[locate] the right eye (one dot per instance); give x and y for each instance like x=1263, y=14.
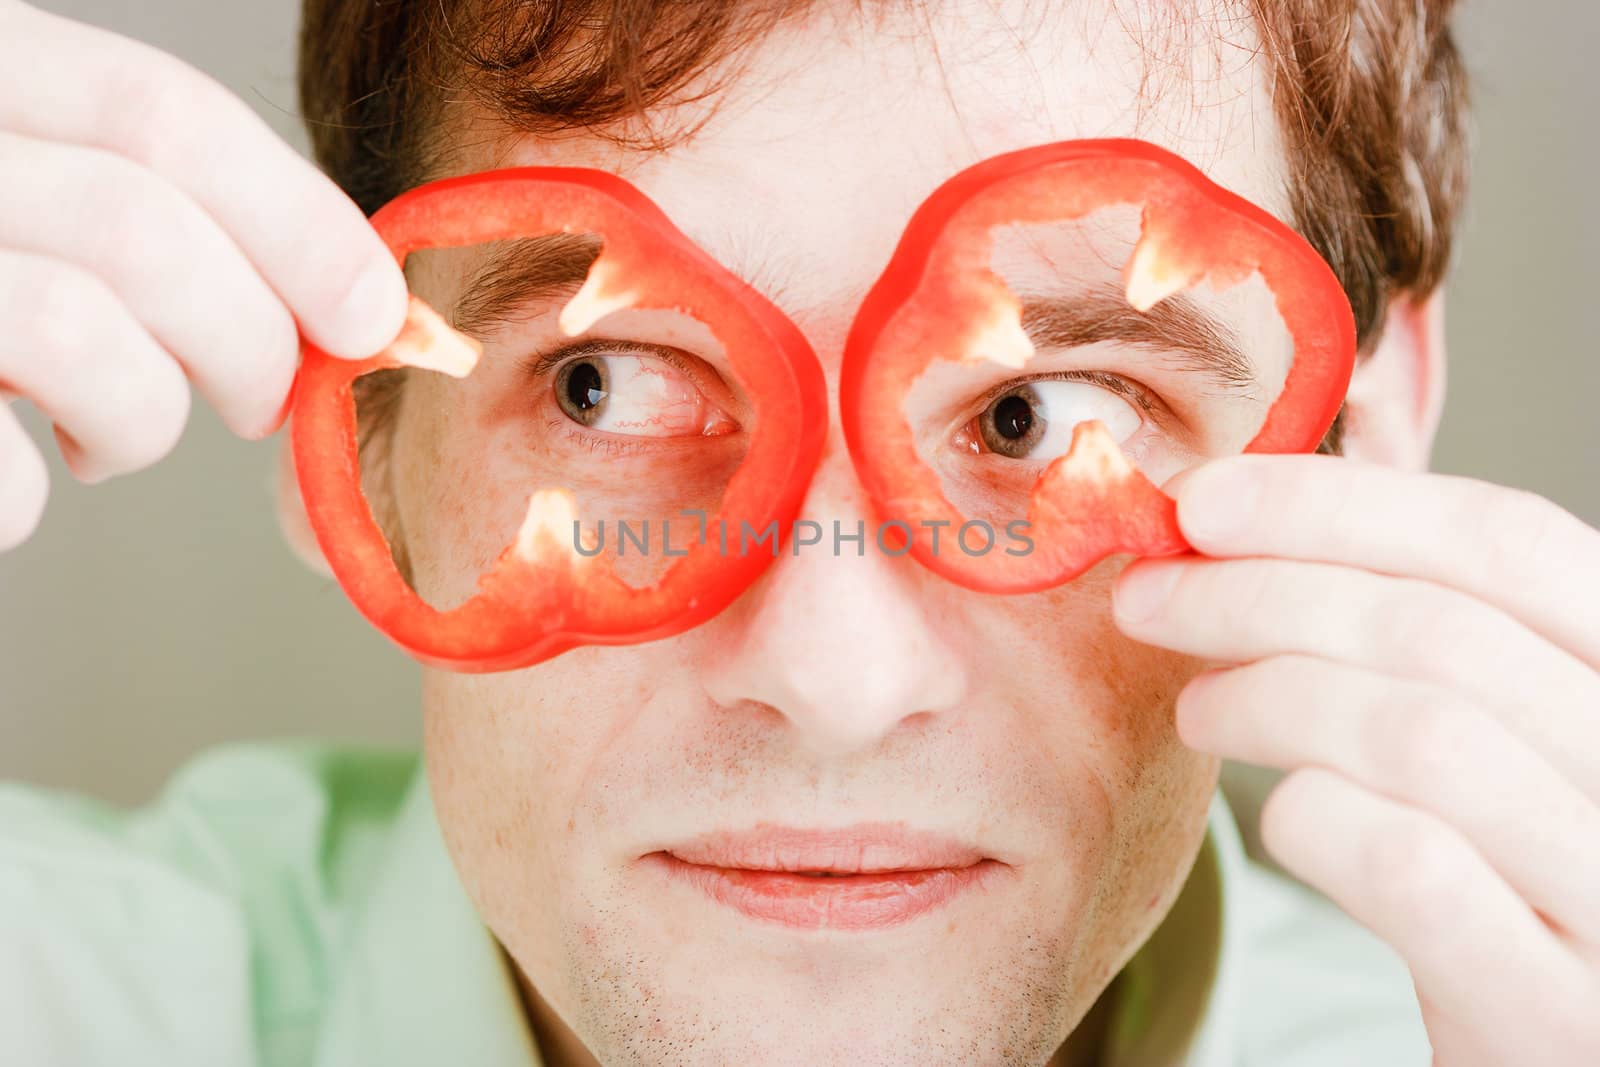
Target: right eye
x=1034, y=419
x=636, y=395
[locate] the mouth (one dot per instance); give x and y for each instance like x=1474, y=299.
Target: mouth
x=863, y=877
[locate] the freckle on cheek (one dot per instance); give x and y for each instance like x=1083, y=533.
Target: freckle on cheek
x=473, y=518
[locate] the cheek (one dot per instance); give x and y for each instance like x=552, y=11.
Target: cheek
x=1099, y=708
x=482, y=757
x=460, y=491
x=1104, y=699
x=511, y=761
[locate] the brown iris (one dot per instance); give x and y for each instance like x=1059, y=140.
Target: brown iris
x=581, y=390
x=1013, y=423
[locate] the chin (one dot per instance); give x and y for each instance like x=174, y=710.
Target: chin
x=670, y=988
x=872, y=1027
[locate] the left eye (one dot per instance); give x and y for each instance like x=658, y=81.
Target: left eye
x=634, y=395
x=1034, y=420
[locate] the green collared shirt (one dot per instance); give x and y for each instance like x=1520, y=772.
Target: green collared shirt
x=286, y=905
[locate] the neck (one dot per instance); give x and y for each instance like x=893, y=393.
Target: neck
x=1085, y=1046
x=558, y=1046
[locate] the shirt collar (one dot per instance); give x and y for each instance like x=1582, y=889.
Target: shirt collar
x=424, y=982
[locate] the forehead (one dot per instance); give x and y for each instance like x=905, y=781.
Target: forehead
x=824, y=136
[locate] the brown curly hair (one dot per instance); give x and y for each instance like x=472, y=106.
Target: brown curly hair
x=1371, y=96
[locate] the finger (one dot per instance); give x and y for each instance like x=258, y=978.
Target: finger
x=68, y=344
x=312, y=245
x=24, y=482
x=1507, y=547
x=1478, y=954
x=168, y=261
x=1418, y=745
x=1240, y=610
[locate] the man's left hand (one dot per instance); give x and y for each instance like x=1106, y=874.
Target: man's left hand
x=1422, y=654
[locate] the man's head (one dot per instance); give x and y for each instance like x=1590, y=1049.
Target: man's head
x=793, y=140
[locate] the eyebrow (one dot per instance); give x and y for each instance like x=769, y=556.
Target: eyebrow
x=520, y=274
x=1179, y=326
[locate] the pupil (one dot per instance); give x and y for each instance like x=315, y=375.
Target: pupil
x=1014, y=424
x=585, y=388
x=1013, y=417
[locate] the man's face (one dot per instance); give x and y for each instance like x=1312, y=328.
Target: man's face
x=861, y=695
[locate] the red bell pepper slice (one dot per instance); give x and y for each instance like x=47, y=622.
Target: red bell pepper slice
x=540, y=597
x=939, y=299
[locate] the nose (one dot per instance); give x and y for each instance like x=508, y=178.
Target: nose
x=844, y=640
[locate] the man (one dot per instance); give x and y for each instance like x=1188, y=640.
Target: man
x=1418, y=651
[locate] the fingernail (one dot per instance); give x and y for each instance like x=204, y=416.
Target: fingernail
x=1218, y=503
x=373, y=311
x=1139, y=597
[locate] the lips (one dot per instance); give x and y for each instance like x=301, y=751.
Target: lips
x=861, y=877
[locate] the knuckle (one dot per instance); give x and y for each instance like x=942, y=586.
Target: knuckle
x=243, y=357
x=1419, y=870
x=1416, y=741
x=332, y=268
x=1422, y=626
x=70, y=322
x=264, y=334
x=156, y=413
x=1249, y=589
x=328, y=276
x=1515, y=526
x=145, y=410
x=1396, y=625
x=148, y=102
x=1332, y=498
x=1289, y=672
x=138, y=234
x=60, y=309
x=1291, y=804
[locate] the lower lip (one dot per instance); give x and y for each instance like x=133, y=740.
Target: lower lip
x=848, y=902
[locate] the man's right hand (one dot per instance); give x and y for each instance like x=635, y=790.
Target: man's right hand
x=153, y=230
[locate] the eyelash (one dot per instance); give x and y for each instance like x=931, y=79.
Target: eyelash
x=1130, y=390
x=540, y=364
x=613, y=445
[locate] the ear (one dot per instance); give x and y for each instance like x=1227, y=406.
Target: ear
x=292, y=512
x=1397, y=392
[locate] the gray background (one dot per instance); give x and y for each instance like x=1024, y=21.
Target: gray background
x=159, y=613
